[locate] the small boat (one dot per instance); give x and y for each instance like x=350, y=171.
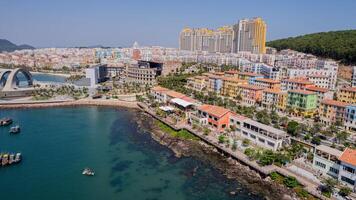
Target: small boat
x=88, y=172
x=5, y=121
x=18, y=157
x=15, y=129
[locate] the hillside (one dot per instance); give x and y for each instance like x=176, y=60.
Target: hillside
x=8, y=46
x=338, y=45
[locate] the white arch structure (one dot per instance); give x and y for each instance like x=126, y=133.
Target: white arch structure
x=11, y=81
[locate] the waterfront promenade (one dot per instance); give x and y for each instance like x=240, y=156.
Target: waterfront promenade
x=309, y=185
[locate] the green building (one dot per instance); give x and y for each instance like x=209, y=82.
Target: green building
x=302, y=102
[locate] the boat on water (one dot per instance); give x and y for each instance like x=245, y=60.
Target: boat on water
x=9, y=158
x=15, y=129
x=88, y=172
x=5, y=121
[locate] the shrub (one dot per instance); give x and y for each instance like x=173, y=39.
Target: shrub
x=291, y=182
x=344, y=191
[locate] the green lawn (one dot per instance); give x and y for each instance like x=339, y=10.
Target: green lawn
x=184, y=134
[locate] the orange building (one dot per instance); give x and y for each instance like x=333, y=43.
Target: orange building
x=217, y=117
x=250, y=94
x=268, y=83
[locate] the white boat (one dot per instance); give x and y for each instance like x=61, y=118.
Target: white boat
x=88, y=172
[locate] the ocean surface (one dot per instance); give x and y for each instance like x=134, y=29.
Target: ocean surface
x=57, y=143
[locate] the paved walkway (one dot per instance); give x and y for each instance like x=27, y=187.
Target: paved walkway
x=309, y=185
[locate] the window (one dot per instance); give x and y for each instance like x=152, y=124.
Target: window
x=223, y=126
x=252, y=136
x=347, y=180
x=335, y=171
x=270, y=144
x=261, y=140
x=322, y=165
x=245, y=133
x=349, y=169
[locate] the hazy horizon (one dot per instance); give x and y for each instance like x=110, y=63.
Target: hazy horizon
x=41, y=23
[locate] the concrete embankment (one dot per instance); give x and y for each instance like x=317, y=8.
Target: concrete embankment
x=63, y=103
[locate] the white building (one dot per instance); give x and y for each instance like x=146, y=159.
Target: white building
x=353, y=78
x=260, y=134
x=326, y=160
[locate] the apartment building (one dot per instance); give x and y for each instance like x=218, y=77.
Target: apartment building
x=347, y=95
x=230, y=86
x=198, y=83
x=321, y=81
x=270, y=98
x=250, y=76
x=350, y=118
x=321, y=93
x=143, y=73
x=331, y=111
x=302, y=102
x=295, y=84
x=258, y=133
x=250, y=94
x=267, y=83
x=282, y=101
x=215, y=84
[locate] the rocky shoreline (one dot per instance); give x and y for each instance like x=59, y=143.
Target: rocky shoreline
x=231, y=168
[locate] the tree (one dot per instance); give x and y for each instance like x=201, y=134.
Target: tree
x=246, y=142
x=342, y=136
x=329, y=185
x=283, y=121
x=316, y=140
x=345, y=191
x=292, y=128
x=291, y=182
x=267, y=158
x=221, y=139
x=234, y=145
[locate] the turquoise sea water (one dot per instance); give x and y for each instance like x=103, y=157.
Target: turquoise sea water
x=57, y=143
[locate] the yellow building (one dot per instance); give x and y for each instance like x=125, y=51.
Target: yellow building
x=230, y=86
x=347, y=95
x=250, y=35
x=198, y=83
x=282, y=101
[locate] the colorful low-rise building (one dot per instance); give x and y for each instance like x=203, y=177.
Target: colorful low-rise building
x=198, y=83
x=282, y=101
x=331, y=111
x=322, y=93
x=350, y=118
x=321, y=81
x=347, y=95
x=230, y=86
x=250, y=94
x=268, y=83
x=270, y=98
x=215, y=84
x=250, y=76
x=214, y=116
x=295, y=84
x=347, y=172
x=302, y=102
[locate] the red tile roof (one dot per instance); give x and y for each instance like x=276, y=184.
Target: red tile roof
x=349, y=156
x=159, y=89
x=267, y=80
x=251, y=87
x=334, y=103
x=249, y=74
x=349, y=89
x=272, y=91
x=298, y=80
x=174, y=94
x=301, y=92
x=216, y=111
x=316, y=89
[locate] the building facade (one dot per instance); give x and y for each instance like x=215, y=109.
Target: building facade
x=250, y=35
x=303, y=103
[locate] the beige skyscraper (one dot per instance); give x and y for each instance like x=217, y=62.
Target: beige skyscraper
x=250, y=35
x=203, y=39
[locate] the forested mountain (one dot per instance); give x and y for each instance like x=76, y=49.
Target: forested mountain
x=8, y=46
x=338, y=45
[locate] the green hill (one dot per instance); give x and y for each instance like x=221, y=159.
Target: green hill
x=338, y=45
x=8, y=46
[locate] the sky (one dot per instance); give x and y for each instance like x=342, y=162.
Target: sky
x=69, y=23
